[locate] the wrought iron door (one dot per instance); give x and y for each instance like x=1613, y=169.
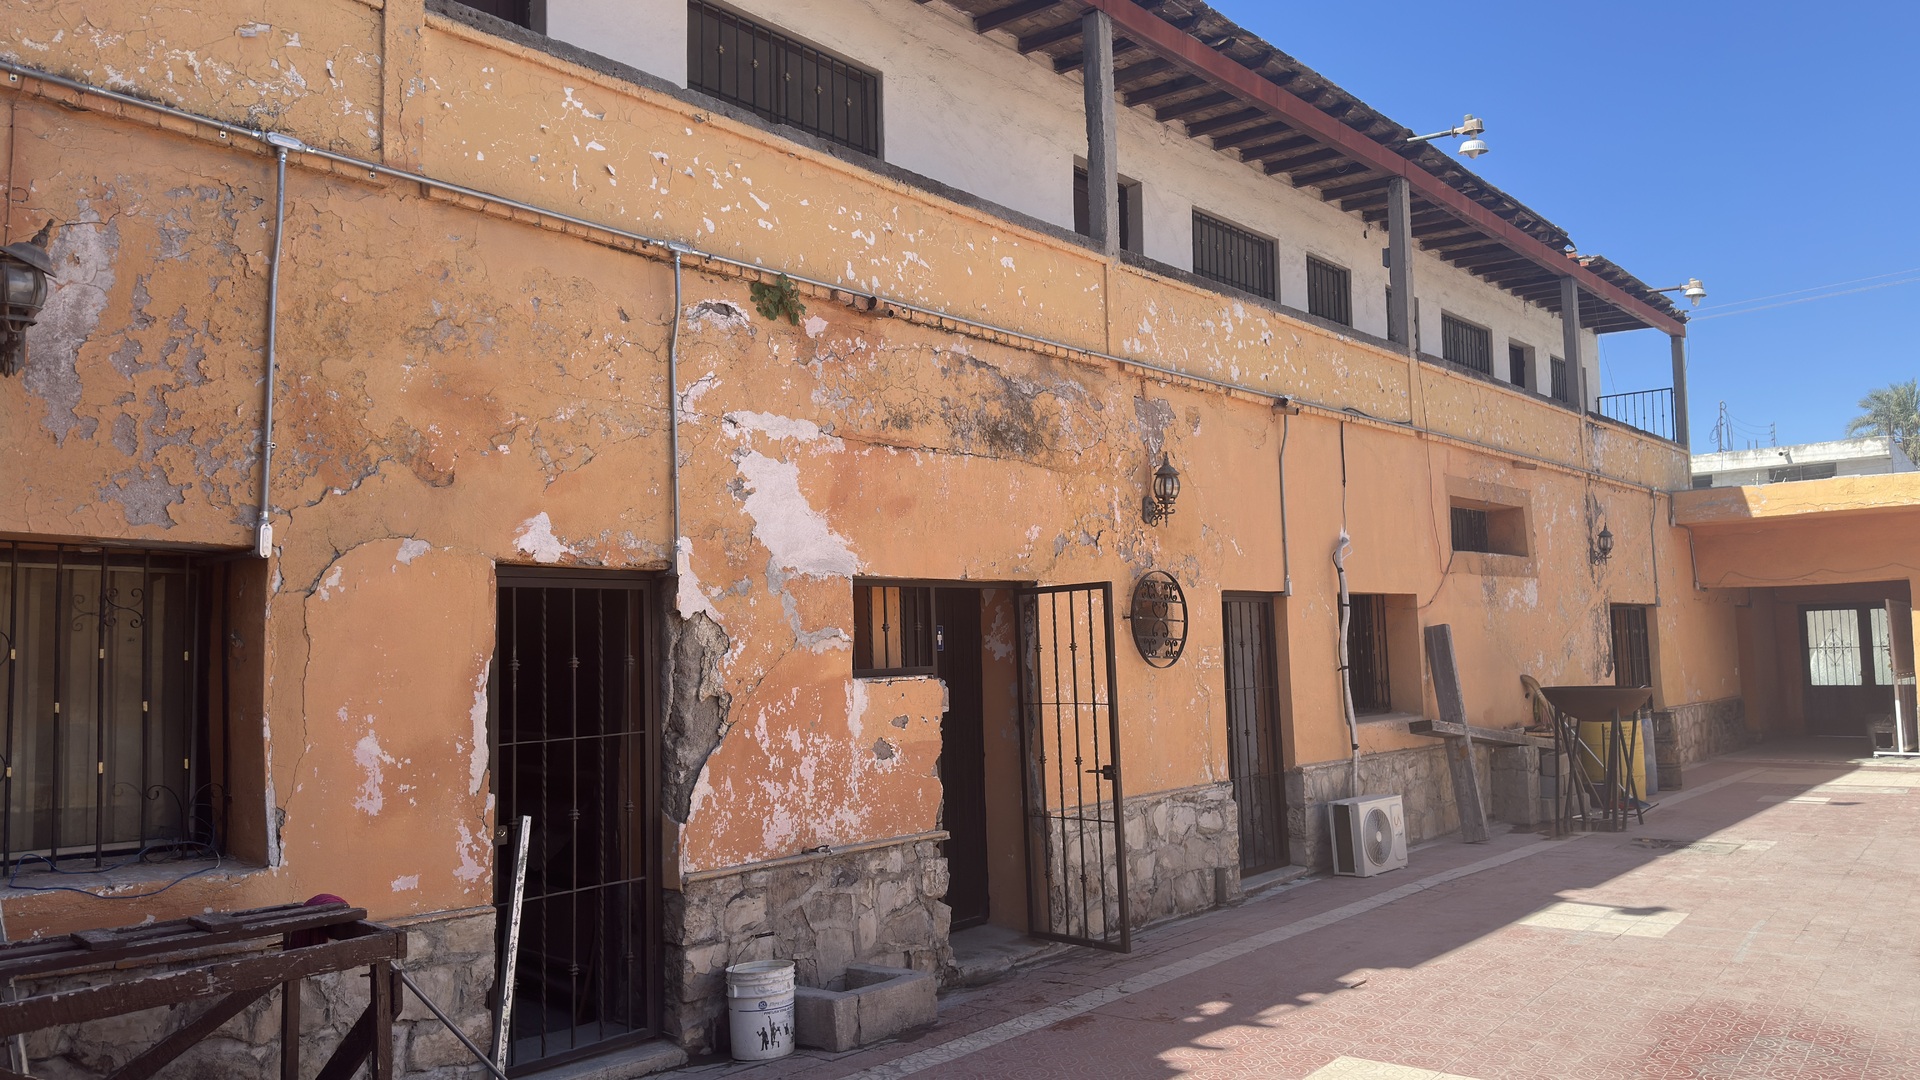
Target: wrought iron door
x=1900, y=654
x=1076, y=836
x=576, y=750
x=1253, y=732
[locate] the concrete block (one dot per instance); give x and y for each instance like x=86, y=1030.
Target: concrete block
x=877, y=1003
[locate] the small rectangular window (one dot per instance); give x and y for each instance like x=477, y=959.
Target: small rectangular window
x=1489, y=528
x=1129, y=197
x=1559, y=369
x=1632, y=651
x=1367, y=675
x=1467, y=345
x=1233, y=256
x=1329, y=291
x=775, y=77
x=892, y=630
x=1700, y=482
x=517, y=12
x=1824, y=470
x=1519, y=359
x=107, y=736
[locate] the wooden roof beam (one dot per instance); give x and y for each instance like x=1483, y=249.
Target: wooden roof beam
x=1218, y=123
x=1014, y=12
x=1191, y=106
x=1175, y=44
x=1040, y=39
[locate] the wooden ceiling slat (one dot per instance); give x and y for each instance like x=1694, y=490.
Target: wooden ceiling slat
x=1014, y=12
x=1298, y=161
x=1374, y=183
x=1251, y=135
x=1040, y=39
x=1198, y=128
x=1156, y=91
x=1317, y=177
x=1191, y=106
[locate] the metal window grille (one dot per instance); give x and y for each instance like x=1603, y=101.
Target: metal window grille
x=1233, y=256
x=1083, y=211
x=1517, y=365
x=100, y=672
x=1467, y=345
x=1632, y=650
x=1367, y=674
x=892, y=630
x=1329, y=291
x=752, y=66
x=1470, y=529
x=1558, y=367
x=576, y=749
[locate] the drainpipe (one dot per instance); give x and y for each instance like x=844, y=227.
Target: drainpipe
x=1287, y=409
x=263, y=533
x=680, y=552
x=1341, y=549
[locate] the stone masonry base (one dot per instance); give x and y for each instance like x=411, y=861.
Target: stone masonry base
x=878, y=906
x=1688, y=734
x=1509, y=783
x=449, y=955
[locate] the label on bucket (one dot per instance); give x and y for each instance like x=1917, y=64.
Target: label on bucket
x=762, y=1035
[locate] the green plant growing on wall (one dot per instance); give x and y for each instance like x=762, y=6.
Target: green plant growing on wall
x=778, y=299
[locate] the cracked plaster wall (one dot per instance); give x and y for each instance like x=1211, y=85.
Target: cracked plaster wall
x=458, y=389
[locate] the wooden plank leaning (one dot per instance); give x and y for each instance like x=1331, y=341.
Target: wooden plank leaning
x=1453, y=712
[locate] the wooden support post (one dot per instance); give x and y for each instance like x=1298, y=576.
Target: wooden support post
x=1400, y=329
x=1103, y=165
x=1453, y=712
x=384, y=1006
x=1681, y=429
x=1570, y=344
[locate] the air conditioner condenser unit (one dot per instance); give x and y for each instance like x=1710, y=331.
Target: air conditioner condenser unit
x=1369, y=835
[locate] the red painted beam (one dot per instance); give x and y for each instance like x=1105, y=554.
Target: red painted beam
x=1181, y=48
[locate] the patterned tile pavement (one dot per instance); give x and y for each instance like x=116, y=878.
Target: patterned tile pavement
x=1787, y=945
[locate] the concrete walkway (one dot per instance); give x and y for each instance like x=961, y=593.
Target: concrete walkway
x=1765, y=922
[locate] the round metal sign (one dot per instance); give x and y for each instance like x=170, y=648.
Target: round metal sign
x=1159, y=618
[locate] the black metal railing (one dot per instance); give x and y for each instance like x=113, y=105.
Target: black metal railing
x=1649, y=410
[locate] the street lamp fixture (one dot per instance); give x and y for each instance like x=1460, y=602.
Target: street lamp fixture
x=24, y=270
x=1692, y=290
x=1471, y=127
x=1157, y=505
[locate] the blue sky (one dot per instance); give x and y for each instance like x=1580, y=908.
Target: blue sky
x=1765, y=148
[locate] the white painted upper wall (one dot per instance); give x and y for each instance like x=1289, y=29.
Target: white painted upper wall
x=970, y=112
x=1850, y=457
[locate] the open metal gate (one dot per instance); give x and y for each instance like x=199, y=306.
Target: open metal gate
x=1076, y=837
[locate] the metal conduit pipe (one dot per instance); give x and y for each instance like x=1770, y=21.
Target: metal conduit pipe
x=1286, y=555
x=681, y=549
x=1342, y=548
x=374, y=169
x=263, y=530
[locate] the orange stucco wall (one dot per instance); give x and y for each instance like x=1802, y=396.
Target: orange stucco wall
x=459, y=389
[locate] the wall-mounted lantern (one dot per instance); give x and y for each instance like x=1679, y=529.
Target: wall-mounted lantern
x=24, y=270
x=1157, y=505
x=1602, y=545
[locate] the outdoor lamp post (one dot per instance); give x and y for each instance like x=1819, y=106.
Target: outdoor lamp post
x=1471, y=127
x=1692, y=290
x=24, y=270
x=1157, y=505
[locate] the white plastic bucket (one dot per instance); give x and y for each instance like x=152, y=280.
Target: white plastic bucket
x=760, y=1009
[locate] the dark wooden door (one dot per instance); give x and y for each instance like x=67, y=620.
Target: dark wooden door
x=1253, y=732
x=1848, y=667
x=963, y=776
x=576, y=750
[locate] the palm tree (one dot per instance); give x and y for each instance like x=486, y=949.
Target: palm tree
x=1892, y=411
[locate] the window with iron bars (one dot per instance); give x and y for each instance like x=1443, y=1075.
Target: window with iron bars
x=528, y=13
x=1823, y=470
x=892, y=630
x=1470, y=529
x=1632, y=649
x=1367, y=675
x=1329, y=291
x=1559, y=368
x=1467, y=345
x=100, y=696
x=759, y=69
x=1233, y=256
